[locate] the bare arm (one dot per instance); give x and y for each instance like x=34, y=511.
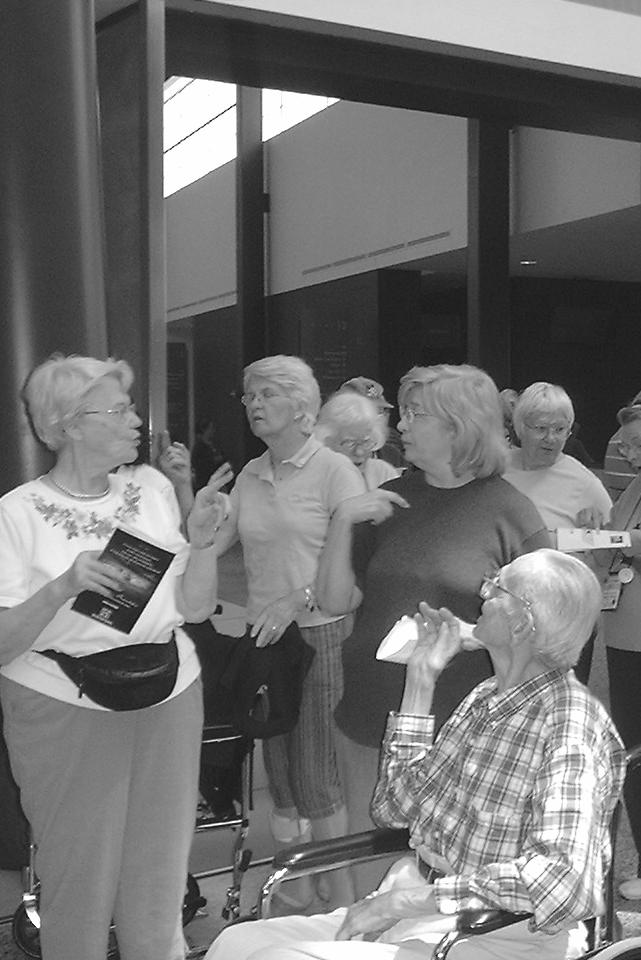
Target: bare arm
x=198, y=588
x=20, y=626
x=174, y=461
x=336, y=589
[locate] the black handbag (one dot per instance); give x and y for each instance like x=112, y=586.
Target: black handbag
x=125, y=678
x=265, y=684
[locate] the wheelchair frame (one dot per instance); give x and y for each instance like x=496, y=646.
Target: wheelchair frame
x=371, y=845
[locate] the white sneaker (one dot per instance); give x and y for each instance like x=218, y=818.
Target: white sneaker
x=631, y=889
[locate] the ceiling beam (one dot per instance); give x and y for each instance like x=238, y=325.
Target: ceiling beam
x=254, y=48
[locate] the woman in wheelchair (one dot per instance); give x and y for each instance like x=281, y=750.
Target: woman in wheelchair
x=508, y=808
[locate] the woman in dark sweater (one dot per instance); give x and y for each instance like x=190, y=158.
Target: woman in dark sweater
x=431, y=535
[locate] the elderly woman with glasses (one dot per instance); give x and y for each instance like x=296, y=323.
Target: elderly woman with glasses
x=281, y=507
x=508, y=806
x=431, y=534
x=622, y=623
x=107, y=763
x=352, y=424
x=563, y=490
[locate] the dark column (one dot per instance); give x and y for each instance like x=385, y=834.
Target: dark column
x=51, y=257
x=131, y=75
x=250, y=237
x=488, y=274
x=250, y=208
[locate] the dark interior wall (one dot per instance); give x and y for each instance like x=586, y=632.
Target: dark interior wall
x=217, y=365
x=333, y=326
x=400, y=326
x=583, y=335
x=578, y=333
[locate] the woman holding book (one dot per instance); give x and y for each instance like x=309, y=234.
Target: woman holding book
x=107, y=771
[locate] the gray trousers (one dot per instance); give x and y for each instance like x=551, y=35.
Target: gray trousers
x=111, y=799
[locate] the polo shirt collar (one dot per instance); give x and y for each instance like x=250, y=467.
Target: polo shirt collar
x=262, y=467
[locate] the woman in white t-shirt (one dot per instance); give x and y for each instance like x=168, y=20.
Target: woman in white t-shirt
x=108, y=780
x=563, y=490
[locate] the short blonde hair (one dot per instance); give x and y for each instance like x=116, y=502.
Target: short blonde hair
x=293, y=376
x=565, y=599
x=55, y=390
x=541, y=397
x=353, y=415
x=467, y=400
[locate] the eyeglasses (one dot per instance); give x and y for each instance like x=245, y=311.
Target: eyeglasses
x=264, y=396
x=628, y=446
x=489, y=586
x=409, y=414
x=120, y=411
x=555, y=430
x=365, y=443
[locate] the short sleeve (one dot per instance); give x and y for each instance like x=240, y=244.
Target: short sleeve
x=14, y=578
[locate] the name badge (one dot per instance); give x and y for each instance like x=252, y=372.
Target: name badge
x=611, y=591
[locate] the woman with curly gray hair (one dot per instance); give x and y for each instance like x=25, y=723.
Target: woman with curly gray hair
x=351, y=424
x=106, y=756
x=281, y=507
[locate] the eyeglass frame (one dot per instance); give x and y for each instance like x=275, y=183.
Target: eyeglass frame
x=248, y=398
x=365, y=443
x=492, y=581
x=542, y=430
x=627, y=445
x=409, y=414
x=119, y=411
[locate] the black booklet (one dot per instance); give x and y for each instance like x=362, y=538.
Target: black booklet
x=141, y=565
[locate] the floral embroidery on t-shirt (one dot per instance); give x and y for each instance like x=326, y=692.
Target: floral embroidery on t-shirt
x=79, y=522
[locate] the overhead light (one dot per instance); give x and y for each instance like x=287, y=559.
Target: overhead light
x=528, y=263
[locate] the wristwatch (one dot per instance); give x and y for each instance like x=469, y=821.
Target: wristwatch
x=310, y=599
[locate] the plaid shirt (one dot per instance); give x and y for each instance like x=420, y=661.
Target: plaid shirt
x=516, y=795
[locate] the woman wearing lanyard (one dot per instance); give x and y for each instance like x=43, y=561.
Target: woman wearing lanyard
x=622, y=619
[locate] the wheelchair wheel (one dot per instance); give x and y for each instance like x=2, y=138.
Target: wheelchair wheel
x=629, y=949
x=193, y=900
x=27, y=936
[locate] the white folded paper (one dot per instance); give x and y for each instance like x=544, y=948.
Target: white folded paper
x=575, y=539
x=399, y=643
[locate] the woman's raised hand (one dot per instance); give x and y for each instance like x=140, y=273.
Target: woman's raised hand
x=375, y=506
x=210, y=509
x=174, y=459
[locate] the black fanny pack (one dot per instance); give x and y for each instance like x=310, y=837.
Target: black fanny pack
x=126, y=678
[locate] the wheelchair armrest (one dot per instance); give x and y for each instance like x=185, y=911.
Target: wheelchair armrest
x=633, y=757
x=355, y=847
x=486, y=920
x=470, y=923
x=310, y=858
